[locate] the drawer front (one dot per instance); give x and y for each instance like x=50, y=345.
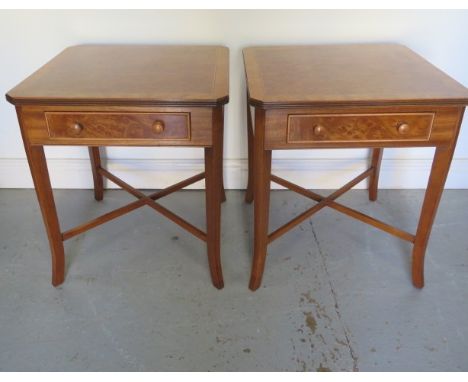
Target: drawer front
x=109, y=125
x=307, y=128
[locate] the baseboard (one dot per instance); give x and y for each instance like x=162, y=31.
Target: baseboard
x=157, y=173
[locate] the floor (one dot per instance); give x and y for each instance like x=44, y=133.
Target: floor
x=336, y=293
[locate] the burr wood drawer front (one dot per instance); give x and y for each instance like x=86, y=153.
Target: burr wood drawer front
x=303, y=128
x=119, y=125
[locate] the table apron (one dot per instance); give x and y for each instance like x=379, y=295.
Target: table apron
x=360, y=127
x=116, y=126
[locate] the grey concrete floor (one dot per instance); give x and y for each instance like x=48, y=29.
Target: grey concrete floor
x=336, y=294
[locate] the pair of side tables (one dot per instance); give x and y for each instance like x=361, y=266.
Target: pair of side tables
x=304, y=97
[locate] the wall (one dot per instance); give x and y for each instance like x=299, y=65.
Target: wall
x=30, y=38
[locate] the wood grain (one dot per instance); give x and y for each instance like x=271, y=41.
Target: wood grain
x=175, y=126
x=345, y=210
x=221, y=155
x=324, y=202
x=156, y=206
x=376, y=162
x=345, y=75
x=95, y=159
x=134, y=75
x=143, y=200
x=118, y=126
x=261, y=192
x=213, y=181
x=439, y=172
x=360, y=126
x=250, y=143
x=303, y=128
x=40, y=175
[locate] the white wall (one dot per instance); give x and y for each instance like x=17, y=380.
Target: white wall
x=30, y=38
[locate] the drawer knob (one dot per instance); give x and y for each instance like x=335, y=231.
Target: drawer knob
x=403, y=128
x=158, y=127
x=319, y=130
x=76, y=128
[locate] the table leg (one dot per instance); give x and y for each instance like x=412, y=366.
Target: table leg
x=250, y=138
x=261, y=192
x=95, y=158
x=374, y=178
x=440, y=168
x=40, y=175
x=213, y=184
x=223, y=192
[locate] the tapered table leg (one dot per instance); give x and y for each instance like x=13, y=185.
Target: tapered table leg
x=213, y=184
x=95, y=158
x=249, y=196
x=40, y=175
x=440, y=168
x=261, y=192
x=223, y=192
x=374, y=178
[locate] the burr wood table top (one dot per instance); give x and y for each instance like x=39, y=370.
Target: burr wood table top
x=352, y=74
x=129, y=75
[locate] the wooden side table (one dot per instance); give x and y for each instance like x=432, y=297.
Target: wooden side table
x=347, y=96
x=124, y=95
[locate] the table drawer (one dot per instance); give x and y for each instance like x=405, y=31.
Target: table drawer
x=304, y=128
x=113, y=125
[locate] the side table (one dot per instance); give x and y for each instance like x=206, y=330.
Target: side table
x=127, y=95
x=347, y=96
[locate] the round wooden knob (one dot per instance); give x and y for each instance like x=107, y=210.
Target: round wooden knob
x=319, y=130
x=76, y=128
x=403, y=128
x=158, y=127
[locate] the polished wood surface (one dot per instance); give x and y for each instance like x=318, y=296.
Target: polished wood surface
x=351, y=132
x=347, y=96
x=118, y=125
x=156, y=206
x=324, y=202
x=99, y=96
x=40, y=175
x=142, y=200
x=95, y=158
x=303, y=128
x=163, y=126
x=213, y=196
x=129, y=75
x=376, y=161
x=250, y=142
x=329, y=202
x=261, y=195
x=439, y=172
x=352, y=74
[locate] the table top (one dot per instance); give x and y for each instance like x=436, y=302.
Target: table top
x=129, y=75
x=342, y=75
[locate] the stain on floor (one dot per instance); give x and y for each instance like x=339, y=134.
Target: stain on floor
x=336, y=294
x=310, y=321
